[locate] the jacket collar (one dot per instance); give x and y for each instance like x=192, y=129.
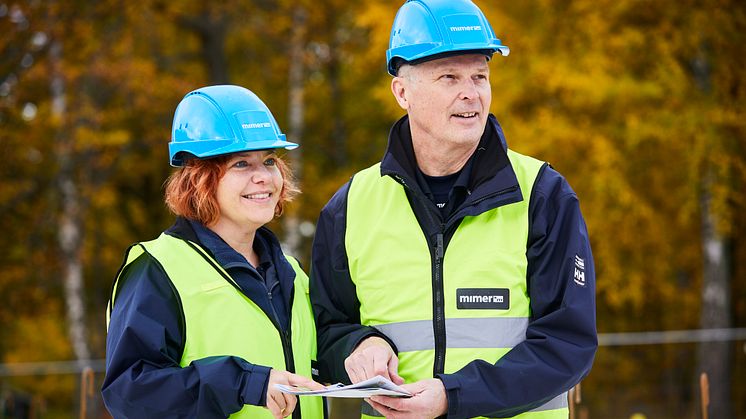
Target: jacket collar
x=492, y=181
x=182, y=228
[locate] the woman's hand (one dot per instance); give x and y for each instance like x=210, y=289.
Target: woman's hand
x=282, y=404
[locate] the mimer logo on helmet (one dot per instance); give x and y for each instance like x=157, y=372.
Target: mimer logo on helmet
x=465, y=28
x=256, y=125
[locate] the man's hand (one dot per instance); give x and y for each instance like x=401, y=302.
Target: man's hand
x=373, y=356
x=428, y=401
x=281, y=404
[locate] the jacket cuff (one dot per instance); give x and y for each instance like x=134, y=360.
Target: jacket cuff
x=256, y=383
x=452, y=386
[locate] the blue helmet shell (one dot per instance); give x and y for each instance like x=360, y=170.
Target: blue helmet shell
x=429, y=28
x=224, y=119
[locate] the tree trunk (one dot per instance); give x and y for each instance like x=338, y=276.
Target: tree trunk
x=211, y=29
x=290, y=221
x=714, y=358
x=70, y=231
x=335, y=74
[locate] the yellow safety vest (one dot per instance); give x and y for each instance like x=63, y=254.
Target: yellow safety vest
x=486, y=302
x=221, y=320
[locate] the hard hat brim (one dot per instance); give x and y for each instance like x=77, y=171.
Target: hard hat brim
x=188, y=149
x=396, y=60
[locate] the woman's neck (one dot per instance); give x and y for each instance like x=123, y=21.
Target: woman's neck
x=241, y=240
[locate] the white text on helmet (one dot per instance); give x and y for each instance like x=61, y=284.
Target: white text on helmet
x=465, y=28
x=256, y=125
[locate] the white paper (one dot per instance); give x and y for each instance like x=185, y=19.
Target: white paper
x=376, y=386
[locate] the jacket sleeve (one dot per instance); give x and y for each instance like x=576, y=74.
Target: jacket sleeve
x=561, y=337
x=335, y=304
x=144, y=344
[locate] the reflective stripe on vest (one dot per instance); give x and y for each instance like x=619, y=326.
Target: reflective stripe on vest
x=220, y=320
x=486, y=301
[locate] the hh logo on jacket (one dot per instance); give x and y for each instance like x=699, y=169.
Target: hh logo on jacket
x=579, y=275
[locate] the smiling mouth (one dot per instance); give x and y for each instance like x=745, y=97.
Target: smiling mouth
x=263, y=195
x=466, y=115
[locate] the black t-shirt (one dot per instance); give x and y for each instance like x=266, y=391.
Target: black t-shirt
x=440, y=188
x=447, y=192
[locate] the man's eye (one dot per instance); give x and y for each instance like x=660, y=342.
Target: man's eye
x=270, y=161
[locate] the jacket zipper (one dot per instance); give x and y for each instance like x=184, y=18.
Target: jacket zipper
x=438, y=256
x=287, y=345
x=434, y=219
x=286, y=338
x=439, y=322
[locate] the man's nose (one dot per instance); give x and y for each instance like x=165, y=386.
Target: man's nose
x=469, y=90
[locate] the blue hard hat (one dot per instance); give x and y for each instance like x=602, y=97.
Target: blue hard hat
x=217, y=120
x=428, y=29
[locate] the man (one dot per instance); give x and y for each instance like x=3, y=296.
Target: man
x=455, y=265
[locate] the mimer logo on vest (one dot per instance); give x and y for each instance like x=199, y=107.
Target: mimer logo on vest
x=483, y=298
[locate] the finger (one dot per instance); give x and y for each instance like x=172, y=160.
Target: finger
x=382, y=409
x=274, y=409
x=380, y=366
x=301, y=381
x=355, y=371
x=364, y=369
x=290, y=402
x=360, y=365
x=394, y=370
x=393, y=403
x=350, y=369
x=352, y=374
x=279, y=399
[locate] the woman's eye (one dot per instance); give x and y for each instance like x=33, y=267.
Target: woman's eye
x=270, y=161
x=240, y=163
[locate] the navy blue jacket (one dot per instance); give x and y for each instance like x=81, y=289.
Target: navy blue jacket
x=146, y=336
x=561, y=338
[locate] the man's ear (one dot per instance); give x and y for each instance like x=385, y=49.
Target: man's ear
x=399, y=89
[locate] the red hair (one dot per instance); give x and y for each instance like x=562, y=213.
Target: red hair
x=191, y=191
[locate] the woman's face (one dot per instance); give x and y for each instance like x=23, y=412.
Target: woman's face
x=250, y=189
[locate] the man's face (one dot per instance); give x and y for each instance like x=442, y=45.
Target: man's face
x=448, y=99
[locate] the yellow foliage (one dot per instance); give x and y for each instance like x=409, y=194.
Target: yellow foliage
x=637, y=103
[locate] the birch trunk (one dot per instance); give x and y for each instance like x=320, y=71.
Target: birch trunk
x=714, y=358
x=290, y=221
x=70, y=231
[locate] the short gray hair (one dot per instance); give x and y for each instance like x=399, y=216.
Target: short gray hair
x=406, y=71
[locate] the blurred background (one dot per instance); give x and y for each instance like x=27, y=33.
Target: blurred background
x=640, y=104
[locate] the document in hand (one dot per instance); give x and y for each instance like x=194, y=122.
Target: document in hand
x=376, y=386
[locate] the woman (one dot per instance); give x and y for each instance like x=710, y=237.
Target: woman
x=208, y=317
